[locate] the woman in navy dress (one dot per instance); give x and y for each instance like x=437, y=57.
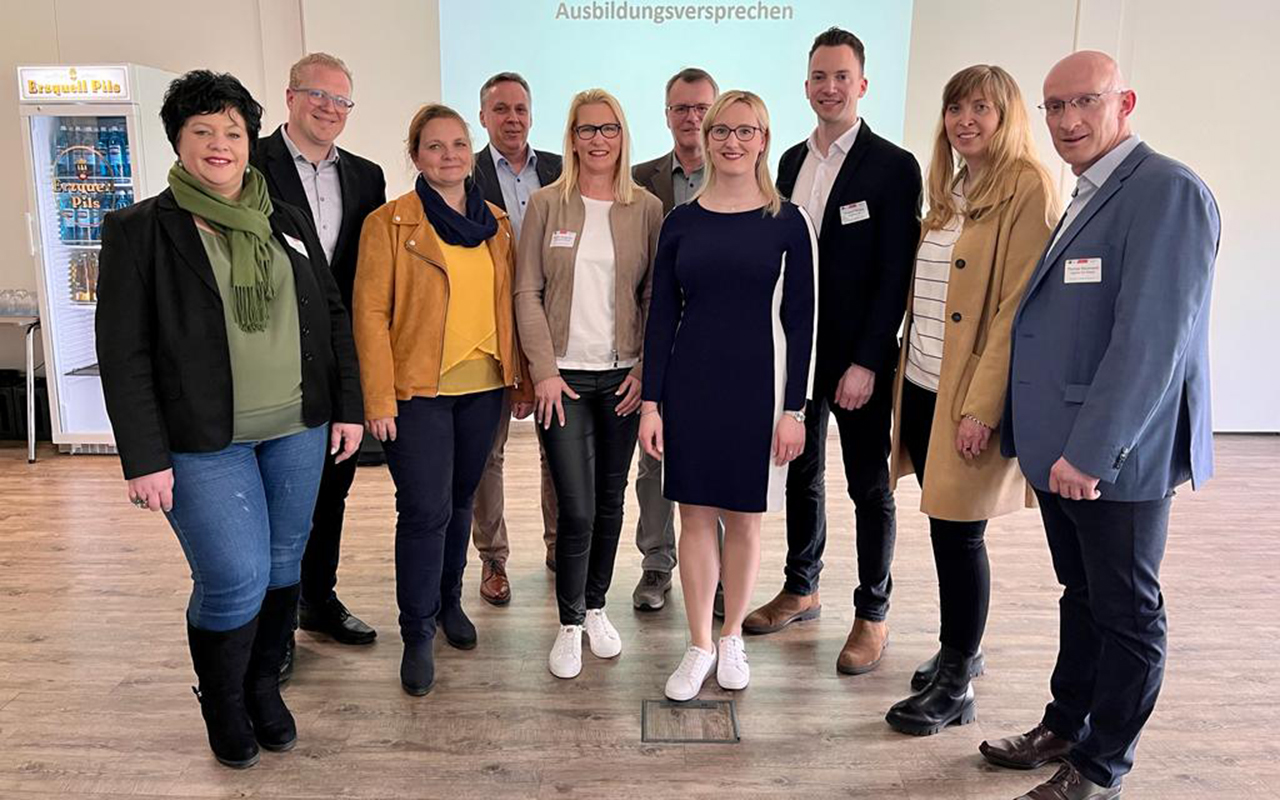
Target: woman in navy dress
x=727, y=355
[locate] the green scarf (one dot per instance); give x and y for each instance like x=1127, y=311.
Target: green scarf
x=244, y=223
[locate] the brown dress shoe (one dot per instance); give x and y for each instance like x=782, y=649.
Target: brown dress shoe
x=864, y=648
x=1069, y=784
x=494, y=586
x=781, y=611
x=1030, y=750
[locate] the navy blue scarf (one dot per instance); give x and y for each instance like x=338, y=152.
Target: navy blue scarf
x=453, y=228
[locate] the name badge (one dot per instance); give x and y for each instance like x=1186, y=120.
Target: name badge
x=563, y=238
x=1082, y=270
x=296, y=244
x=854, y=212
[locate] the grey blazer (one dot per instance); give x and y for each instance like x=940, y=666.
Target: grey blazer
x=1114, y=374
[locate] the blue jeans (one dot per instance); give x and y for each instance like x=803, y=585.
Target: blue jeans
x=243, y=514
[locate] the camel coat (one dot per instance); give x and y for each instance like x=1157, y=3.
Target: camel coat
x=991, y=264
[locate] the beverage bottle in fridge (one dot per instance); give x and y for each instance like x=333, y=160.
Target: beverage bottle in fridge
x=60, y=145
x=115, y=151
x=66, y=218
x=124, y=150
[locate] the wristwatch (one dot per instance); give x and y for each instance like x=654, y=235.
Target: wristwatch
x=798, y=416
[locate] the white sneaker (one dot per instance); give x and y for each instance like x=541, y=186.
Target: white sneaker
x=566, y=654
x=733, y=671
x=685, y=683
x=602, y=636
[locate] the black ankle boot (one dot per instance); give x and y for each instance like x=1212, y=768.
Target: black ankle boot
x=418, y=668
x=273, y=725
x=220, y=659
x=457, y=627
x=948, y=700
x=925, y=672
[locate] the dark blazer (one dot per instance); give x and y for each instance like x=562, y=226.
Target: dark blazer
x=1113, y=373
x=864, y=267
x=485, y=173
x=364, y=189
x=656, y=176
x=162, y=335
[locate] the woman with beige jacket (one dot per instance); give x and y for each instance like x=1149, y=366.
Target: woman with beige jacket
x=987, y=224
x=582, y=292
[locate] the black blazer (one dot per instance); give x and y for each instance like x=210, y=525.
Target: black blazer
x=162, y=335
x=485, y=173
x=864, y=268
x=364, y=189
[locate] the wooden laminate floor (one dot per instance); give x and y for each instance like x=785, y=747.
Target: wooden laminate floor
x=94, y=670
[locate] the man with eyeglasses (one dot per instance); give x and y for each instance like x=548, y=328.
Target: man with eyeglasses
x=508, y=170
x=305, y=167
x=1107, y=412
x=673, y=178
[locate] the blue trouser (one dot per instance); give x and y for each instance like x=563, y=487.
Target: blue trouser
x=243, y=514
x=436, y=460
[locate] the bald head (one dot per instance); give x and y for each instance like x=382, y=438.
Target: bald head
x=1087, y=107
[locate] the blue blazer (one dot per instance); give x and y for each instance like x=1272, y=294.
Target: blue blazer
x=1114, y=375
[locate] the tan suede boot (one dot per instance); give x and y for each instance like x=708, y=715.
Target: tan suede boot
x=864, y=648
x=781, y=611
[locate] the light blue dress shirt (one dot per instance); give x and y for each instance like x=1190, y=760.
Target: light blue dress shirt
x=1088, y=184
x=324, y=193
x=516, y=187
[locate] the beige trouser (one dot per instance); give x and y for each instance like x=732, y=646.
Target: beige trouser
x=488, y=526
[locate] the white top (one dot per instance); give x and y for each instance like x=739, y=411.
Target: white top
x=591, y=316
x=818, y=173
x=1088, y=184
x=929, y=299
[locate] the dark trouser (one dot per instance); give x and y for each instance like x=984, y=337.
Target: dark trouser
x=959, y=548
x=440, y=449
x=320, y=561
x=864, y=444
x=589, y=457
x=1111, y=647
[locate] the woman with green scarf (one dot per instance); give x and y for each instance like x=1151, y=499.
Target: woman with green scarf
x=228, y=367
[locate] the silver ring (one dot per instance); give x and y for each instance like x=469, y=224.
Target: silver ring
x=139, y=502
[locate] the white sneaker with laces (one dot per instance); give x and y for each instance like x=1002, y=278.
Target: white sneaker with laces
x=601, y=635
x=566, y=654
x=685, y=683
x=733, y=671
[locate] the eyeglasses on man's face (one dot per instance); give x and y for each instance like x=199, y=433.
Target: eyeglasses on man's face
x=609, y=130
x=744, y=133
x=685, y=109
x=1081, y=102
x=320, y=98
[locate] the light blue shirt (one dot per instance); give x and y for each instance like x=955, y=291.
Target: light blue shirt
x=1089, y=182
x=516, y=187
x=324, y=193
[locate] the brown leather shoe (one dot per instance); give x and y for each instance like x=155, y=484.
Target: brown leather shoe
x=864, y=648
x=1068, y=784
x=781, y=611
x=494, y=586
x=1030, y=750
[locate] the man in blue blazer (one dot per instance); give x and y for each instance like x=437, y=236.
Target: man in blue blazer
x=1107, y=412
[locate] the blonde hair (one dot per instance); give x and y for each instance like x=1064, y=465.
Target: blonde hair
x=623, y=186
x=764, y=181
x=316, y=60
x=1010, y=151
x=428, y=113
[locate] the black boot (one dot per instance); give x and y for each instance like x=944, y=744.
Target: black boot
x=220, y=659
x=272, y=723
x=925, y=672
x=946, y=701
x=418, y=668
x=457, y=627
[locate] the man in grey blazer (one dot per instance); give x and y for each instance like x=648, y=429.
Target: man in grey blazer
x=1108, y=411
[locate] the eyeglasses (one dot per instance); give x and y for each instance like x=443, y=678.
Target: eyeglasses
x=319, y=98
x=609, y=130
x=745, y=133
x=683, y=109
x=1083, y=102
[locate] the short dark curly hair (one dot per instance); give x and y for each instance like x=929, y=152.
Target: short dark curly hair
x=201, y=91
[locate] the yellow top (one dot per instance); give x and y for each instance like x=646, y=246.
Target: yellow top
x=469, y=362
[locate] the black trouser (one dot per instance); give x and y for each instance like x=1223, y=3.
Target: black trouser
x=320, y=560
x=959, y=548
x=864, y=444
x=1111, y=646
x=436, y=460
x=589, y=459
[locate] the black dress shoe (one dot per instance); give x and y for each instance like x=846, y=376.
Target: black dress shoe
x=1030, y=750
x=925, y=672
x=1068, y=784
x=457, y=627
x=948, y=700
x=418, y=668
x=333, y=618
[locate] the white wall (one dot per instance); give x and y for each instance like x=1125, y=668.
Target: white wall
x=1199, y=70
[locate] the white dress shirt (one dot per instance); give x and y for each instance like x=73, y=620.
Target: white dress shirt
x=818, y=173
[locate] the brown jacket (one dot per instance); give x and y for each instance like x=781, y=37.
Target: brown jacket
x=401, y=297
x=544, y=275
x=991, y=264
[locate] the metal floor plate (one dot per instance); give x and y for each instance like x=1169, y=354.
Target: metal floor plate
x=694, y=722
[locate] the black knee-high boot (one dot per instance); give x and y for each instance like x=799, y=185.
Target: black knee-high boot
x=948, y=700
x=220, y=659
x=273, y=725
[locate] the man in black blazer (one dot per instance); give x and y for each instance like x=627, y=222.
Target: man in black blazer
x=305, y=168
x=508, y=170
x=863, y=194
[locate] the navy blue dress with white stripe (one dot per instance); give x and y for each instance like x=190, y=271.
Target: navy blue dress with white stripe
x=728, y=346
